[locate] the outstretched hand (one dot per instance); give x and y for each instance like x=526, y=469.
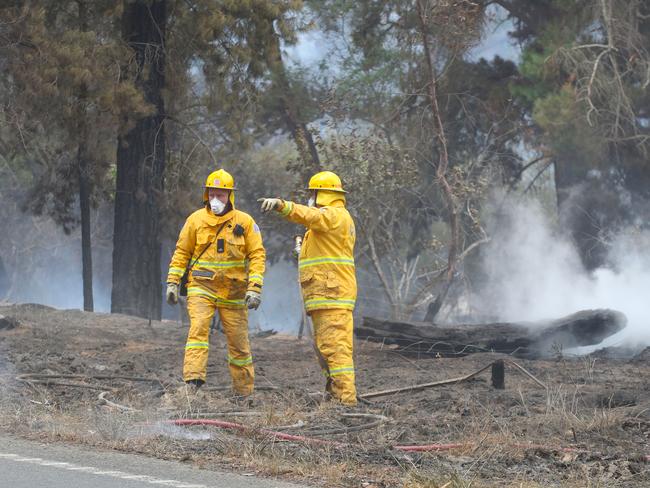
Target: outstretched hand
x=269, y=204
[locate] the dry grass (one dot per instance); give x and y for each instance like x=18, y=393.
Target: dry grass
x=102, y=426
x=580, y=408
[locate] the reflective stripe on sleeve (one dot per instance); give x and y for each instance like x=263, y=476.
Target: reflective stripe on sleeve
x=288, y=207
x=176, y=271
x=255, y=278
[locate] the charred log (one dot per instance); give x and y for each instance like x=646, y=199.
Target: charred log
x=523, y=339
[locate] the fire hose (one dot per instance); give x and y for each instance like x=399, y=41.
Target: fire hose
x=379, y=419
x=405, y=448
x=242, y=428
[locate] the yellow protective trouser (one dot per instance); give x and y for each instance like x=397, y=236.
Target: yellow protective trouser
x=235, y=325
x=333, y=337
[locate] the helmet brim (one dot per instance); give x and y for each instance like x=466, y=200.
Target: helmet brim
x=340, y=190
x=221, y=188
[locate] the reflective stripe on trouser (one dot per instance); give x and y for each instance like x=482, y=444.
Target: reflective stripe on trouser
x=333, y=336
x=235, y=325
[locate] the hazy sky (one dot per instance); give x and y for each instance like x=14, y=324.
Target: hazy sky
x=496, y=40
x=314, y=46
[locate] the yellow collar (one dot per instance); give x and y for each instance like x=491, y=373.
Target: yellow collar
x=212, y=219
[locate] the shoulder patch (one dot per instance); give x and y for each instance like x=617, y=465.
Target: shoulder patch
x=256, y=228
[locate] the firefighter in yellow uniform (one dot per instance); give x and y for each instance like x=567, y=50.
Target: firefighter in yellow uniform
x=327, y=276
x=222, y=249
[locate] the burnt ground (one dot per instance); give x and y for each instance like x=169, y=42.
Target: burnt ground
x=598, y=407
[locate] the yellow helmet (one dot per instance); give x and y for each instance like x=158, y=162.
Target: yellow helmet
x=220, y=179
x=326, y=180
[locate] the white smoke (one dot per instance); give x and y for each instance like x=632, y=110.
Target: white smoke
x=43, y=264
x=534, y=273
x=168, y=430
x=281, y=307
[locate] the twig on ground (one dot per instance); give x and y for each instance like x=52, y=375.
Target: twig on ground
x=526, y=372
x=53, y=380
x=49, y=382
x=103, y=400
x=426, y=385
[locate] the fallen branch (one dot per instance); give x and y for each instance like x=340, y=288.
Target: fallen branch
x=51, y=382
x=451, y=381
x=54, y=380
x=526, y=372
x=40, y=376
x=426, y=385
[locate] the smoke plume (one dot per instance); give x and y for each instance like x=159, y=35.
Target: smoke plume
x=534, y=273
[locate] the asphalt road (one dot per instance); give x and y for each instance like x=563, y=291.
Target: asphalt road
x=27, y=464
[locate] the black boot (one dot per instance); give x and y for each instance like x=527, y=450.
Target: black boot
x=196, y=383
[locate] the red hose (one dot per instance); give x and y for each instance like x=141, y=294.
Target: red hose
x=232, y=425
x=311, y=440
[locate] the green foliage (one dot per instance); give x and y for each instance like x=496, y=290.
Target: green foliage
x=585, y=99
x=569, y=135
x=382, y=179
x=67, y=94
x=221, y=102
x=534, y=84
x=232, y=98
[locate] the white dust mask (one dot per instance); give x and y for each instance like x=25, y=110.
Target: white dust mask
x=217, y=206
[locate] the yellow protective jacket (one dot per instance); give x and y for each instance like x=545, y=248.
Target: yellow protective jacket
x=231, y=263
x=326, y=261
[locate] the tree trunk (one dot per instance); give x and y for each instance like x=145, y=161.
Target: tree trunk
x=441, y=169
x=84, y=207
x=85, y=184
x=4, y=280
x=140, y=164
x=590, y=209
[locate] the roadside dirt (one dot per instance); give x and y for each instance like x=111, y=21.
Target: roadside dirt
x=589, y=427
